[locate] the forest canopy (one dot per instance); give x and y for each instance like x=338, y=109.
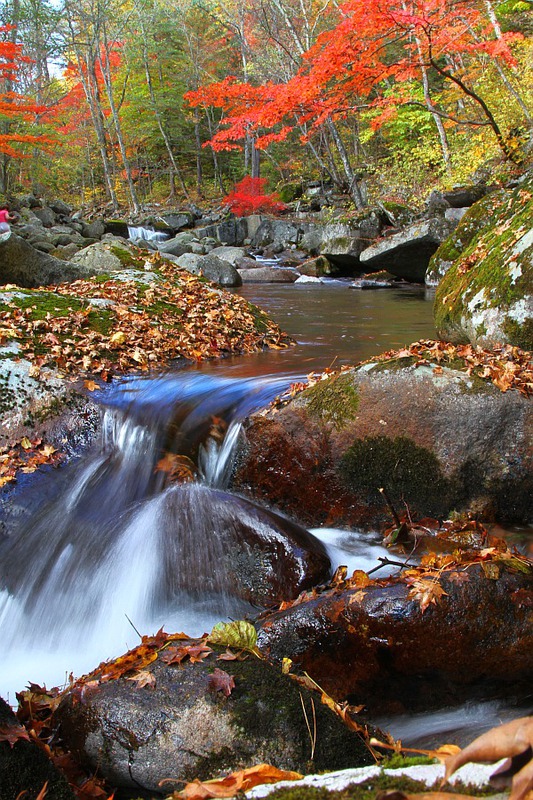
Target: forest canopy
x=131, y=102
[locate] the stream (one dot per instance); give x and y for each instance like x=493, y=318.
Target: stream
x=90, y=565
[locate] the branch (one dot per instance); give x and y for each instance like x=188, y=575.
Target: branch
x=475, y=123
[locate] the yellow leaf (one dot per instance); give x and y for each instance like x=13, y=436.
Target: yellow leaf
x=240, y=781
x=91, y=386
x=117, y=338
x=25, y=443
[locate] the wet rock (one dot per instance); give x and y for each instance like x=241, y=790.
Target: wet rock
x=25, y=768
x=376, y=645
x=315, y=267
x=268, y=275
x=486, y=295
x=250, y=553
x=406, y=254
x=436, y=440
x=184, y=728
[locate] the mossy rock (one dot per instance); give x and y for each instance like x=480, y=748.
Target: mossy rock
x=486, y=296
x=184, y=727
x=478, y=218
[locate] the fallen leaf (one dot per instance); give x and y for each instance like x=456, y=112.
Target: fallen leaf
x=25, y=443
x=240, y=781
x=90, y=385
x=220, y=681
x=13, y=733
x=240, y=634
x=512, y=741
x=143, y=679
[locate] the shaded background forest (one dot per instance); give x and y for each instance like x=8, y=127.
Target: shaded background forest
x=132, y=103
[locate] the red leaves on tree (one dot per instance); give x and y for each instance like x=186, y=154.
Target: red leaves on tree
x=248, y=197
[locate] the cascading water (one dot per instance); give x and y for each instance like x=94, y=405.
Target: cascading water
x=117, y=546
x=138, y=232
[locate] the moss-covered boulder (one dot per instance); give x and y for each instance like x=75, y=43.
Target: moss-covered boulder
x=187, y=715
x=418, y=425
x=486, y=294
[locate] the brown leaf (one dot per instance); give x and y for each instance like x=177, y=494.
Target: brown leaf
x=91, y=386
x=12, y=733
x=425, y=591
x=220, y=681
x=240, y=781
x=513, y=741
x=143, y=678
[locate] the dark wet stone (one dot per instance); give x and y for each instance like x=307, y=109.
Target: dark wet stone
x=377, y=646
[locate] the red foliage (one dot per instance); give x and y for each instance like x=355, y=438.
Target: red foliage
x=248, y=197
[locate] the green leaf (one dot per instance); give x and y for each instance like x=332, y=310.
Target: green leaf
x=240, y=634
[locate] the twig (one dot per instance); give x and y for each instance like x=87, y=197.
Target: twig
x=388, y=562
x=392, y=510
x=134, y=628
x=312, y=734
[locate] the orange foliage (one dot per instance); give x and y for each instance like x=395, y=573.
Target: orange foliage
x=371, y=46
x=14, y=106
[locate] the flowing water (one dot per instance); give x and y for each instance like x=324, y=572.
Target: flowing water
x=84, y=572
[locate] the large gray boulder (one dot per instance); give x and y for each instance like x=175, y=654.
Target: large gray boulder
x=201, y=720
x=28, y=267
x=107, y=256
x=211, y=267
x=230, y=254
x=406, y=254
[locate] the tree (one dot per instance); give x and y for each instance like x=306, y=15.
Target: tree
x=17, y=112
x=351, y=68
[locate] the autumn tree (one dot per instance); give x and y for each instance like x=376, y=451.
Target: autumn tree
x=371, y=62
x=17, y=111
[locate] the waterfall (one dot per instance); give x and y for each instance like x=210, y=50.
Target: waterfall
x=115, y=550
x=136, y=232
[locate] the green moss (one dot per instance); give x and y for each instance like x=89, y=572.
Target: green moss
x=409, y=473
x=491, y=268
x=369, y=789
x=127, y=259
x=335, y=400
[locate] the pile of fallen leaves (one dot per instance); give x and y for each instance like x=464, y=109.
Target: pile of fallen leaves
x=26, y=456
x=507, y=367
x=104, y=327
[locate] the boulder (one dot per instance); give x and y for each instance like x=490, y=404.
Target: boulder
x=201, y=720
x=61, y=208
x=315, y=267
x=178, y=245
x=486, y=295
x=211, y=267
x=232, y=231
x=406, y=254
x=342, y=243
x=103, y=257
x=471, y=224
x=93, y=230
x=25, y=768
x=277, y=234
x=430, y=639
x=268, y=275
x=230, y=254
x=28, y=267
x=177, y=220
x=46, y=215
x=436, y=438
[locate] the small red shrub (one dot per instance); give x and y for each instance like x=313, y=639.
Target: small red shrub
x=248, y=198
